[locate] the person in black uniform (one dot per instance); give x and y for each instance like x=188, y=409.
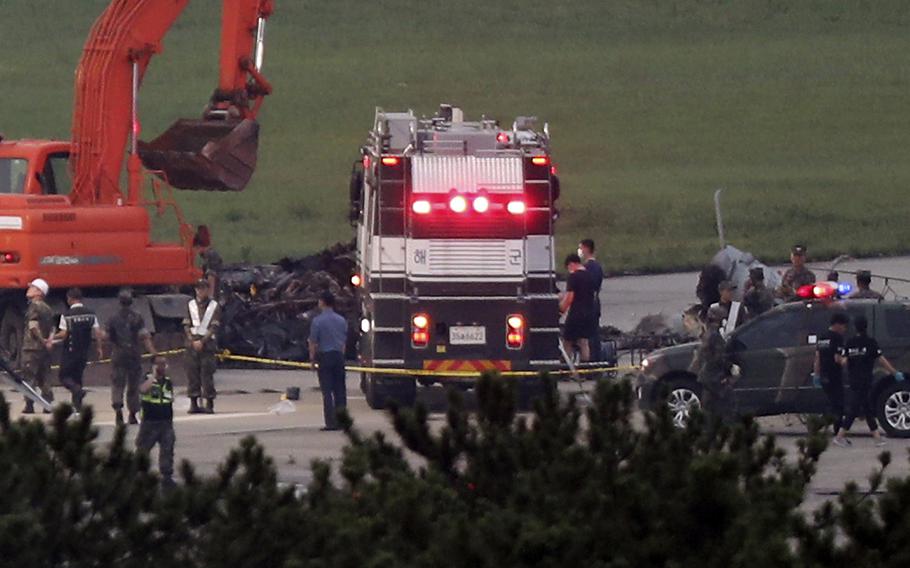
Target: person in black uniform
x=596, y=272
x=578, y=301
x=78, y=328
x=158, y=419
x=830, y=359
x=862, y=353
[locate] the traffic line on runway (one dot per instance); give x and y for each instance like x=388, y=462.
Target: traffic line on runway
x=203, y=417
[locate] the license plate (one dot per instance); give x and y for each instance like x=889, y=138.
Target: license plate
x=468, y=335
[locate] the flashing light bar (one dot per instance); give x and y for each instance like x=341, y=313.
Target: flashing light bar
x=824, y=290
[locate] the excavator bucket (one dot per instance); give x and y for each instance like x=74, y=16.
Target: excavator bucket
x=204, y=154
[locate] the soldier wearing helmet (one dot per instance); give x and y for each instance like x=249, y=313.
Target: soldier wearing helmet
x=37, y=342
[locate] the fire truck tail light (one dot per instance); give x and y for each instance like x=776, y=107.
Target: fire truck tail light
x=421, y=207
x=515, y=331
x=356, y=280
x=9, y=258
x=516, y=207
x=390, y=161
x=420, y=334
x=540, y=160
x=481, y=204
x=458, y=204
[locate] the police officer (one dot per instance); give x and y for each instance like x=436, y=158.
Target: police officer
x=863, y=281
x=830, y=359
x=158, y=419
x=328, y=336
x=77, y=328
x=596, y=273
x=126, y=332
x=757, y=298
x=37, y=341
x=796, y=276
x=711, y=366
x=201, y=323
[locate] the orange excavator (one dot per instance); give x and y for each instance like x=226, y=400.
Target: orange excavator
x=65, y=214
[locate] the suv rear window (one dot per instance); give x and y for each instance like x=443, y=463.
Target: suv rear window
x=774, y=331
x=897, y=322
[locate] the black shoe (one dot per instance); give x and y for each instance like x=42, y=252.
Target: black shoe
x=78, y=397
x=194, y=406
x=210, y=406
x=133, y=420
x=29, y=407
x=118, y=417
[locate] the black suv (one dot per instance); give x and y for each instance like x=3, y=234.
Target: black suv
x=776, y=352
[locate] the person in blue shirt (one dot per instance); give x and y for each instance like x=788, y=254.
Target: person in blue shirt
x=596, y=273
x=328, y=337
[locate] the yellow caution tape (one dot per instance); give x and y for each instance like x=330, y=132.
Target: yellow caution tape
x=228, y=356
x=144, y=356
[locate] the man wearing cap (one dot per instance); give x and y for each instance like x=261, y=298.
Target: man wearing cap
x=711, y=366
x=726, y=308
x=36, y=342
x=127, y=333
x=863, y=280
x=797, y=276
x=757, y=298
x=201, y=323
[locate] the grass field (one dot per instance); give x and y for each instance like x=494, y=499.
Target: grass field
x=799, y=108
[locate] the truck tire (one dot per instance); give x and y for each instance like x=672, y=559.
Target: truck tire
x=892, y=409
x=379, y=391
x=530, y=389
x=11, y=328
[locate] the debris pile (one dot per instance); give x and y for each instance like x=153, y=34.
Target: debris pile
x=267, y=309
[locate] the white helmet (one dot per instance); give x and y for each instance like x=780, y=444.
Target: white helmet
x=41, y=284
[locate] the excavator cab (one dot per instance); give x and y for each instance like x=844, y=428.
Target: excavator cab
x=204, y=154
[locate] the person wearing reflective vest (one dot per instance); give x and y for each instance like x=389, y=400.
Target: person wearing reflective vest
x=201, y=323
x=157, y=425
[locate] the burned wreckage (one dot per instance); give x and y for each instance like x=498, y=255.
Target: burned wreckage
x=267, y=309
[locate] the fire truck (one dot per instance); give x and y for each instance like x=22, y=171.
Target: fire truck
x=455, y=251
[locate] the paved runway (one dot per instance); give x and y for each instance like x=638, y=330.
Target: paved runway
x=294, y=440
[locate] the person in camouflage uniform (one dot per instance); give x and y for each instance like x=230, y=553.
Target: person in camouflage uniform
x=201, y=323
x=863, y=281
x=757, y=298
x=126, y=332
x=797, y=276
x=37, y=342
x=711, y=366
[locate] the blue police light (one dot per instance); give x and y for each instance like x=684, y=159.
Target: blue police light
x=844, y=288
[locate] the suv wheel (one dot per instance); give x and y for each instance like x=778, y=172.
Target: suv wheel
x=683, y=396
x=893, y=410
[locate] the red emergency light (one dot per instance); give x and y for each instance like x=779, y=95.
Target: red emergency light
x=516, y=207
x=458, y=204
x=420, y=332
x=540, y=160
x=367, y=162
x=481, y=204
x=8, y=258
x=502, y=138
x=515, y=327
x=421, y=207
x=818, y=291
x=390, y=161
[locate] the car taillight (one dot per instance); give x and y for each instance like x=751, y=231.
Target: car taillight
x=516, y=207
x=9, y=258
x=515, y=331
x=421, y=207
x=420, y=330
x=481, y=204
x=458, y=204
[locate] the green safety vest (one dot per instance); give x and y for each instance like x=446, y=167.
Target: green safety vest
x=160, y=393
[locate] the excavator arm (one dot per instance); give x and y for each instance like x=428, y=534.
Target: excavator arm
x=216, y=152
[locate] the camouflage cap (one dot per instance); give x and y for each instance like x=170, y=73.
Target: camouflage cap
x=798, y=250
